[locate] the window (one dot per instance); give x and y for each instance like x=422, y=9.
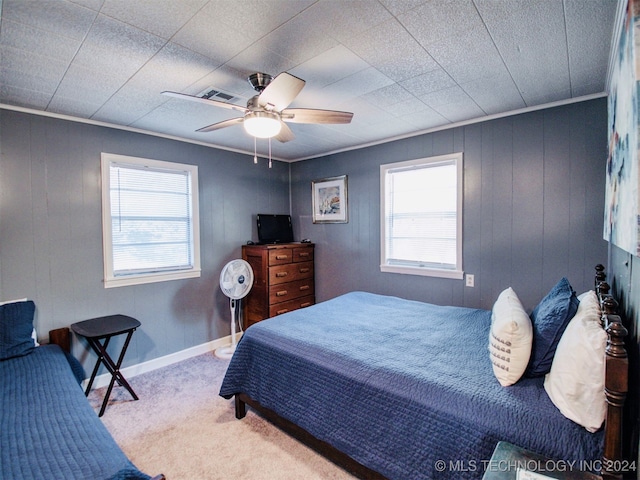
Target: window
x=421, y=216
x=150, y=220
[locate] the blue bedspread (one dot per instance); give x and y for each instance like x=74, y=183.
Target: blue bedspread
x=398, y=385
x=47, y=427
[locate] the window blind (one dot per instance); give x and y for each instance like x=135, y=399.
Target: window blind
x=150, y=219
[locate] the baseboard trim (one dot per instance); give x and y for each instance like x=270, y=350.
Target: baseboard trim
x=148, y=366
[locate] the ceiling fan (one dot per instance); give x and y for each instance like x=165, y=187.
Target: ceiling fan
x=266, y=113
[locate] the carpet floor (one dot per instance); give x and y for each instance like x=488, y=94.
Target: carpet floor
x=181, y=427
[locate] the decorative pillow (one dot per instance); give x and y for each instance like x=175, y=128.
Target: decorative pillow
x=16, y=327
x=510, y=338
x=575, y=383
x=549, y=319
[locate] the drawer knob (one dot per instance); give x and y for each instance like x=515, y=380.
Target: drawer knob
x=304, y=287
x=279, y=312
x=281, y=274
x=304, y=270
x=304, y=254
x=305, y=304
x=282, y=257
x=281, y=293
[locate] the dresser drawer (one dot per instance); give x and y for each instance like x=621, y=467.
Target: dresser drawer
x=303, y=254
x=290, y=272
x=288, y=291
x=280, y=308
x=280, y=256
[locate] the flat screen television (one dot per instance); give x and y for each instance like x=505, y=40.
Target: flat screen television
x=274, y=228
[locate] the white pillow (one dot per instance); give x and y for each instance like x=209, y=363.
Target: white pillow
x=575, y=383
x=510, y=338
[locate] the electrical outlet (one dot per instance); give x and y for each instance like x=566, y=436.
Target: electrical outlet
x=469, y=280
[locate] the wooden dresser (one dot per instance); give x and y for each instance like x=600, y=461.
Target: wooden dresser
x=283, y=279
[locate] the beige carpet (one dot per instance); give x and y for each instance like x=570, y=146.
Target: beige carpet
x=181, y=427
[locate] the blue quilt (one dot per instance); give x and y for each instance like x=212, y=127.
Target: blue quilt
x=47, y=427
x=403, y=387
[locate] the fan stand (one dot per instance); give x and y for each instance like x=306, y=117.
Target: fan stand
x=227, y=352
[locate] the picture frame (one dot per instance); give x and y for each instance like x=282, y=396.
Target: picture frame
x=330, y=200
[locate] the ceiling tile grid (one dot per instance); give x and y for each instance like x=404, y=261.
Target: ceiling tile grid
x=402, y=67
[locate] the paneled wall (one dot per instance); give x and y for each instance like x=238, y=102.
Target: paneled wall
x=533, y=208
x=51, y=230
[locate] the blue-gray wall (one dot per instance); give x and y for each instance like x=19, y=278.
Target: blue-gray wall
x=533, y=208
x=51, y=230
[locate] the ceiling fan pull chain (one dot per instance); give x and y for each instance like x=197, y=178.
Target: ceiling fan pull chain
x=255, y=151
x=269, y=152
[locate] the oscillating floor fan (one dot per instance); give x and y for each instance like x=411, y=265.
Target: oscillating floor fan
x=236, y=280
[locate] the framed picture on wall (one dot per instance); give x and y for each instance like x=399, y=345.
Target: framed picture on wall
x=329, y=200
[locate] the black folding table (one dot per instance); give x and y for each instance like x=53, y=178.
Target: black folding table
x=105, y=328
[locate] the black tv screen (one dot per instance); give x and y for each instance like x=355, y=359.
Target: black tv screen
x=274, y=228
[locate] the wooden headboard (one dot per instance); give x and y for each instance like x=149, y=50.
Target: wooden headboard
x=616, y=379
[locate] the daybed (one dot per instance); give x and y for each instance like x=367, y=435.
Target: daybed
x=47, y=427
x=399, y=389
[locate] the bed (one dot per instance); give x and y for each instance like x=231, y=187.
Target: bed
x=47, y=427
x=392, y=388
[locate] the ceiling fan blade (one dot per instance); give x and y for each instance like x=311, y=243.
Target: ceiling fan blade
x=223, y=124
x=285, y=135
x=308, y=115
x=206, y=101
x=280, y=92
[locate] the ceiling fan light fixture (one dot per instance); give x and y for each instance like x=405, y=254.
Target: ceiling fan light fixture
x=262, y=124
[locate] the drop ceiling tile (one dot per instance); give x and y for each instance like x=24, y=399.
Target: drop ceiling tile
x=32, y=71
x=31, y=39
x=424, y=119
x=445, y=96
x=159, y=17
x=586, y=20
x=438, y=20
x=23, y=97
x=389, y=96
x=257, y=59
x=463, y=70
x=397, y=7
x=328, y=67
x=428, y=82
x=342, y=20
x=60, y=17
x=356, y=85
x=532, y=59
x=173, y=68
x=495, y=94
x=295, y=42
x=86, y=89
x=406, y=107
x=77, y=105
x=115, y=47
x=460, y=111
x=94, y=5
x=474, y=44
x=392, y=50
x=208, y=36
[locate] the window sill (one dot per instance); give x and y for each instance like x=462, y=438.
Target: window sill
x=149, y=278
x=425, y=272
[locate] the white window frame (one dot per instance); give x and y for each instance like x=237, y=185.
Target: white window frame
x=112, y=280
x=454, y=273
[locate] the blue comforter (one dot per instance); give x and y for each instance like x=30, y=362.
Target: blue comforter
x=399, y=385
x=47, y=427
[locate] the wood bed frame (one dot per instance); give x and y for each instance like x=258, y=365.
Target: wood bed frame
x=616, y=387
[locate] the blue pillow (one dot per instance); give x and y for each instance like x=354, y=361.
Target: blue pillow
x=549, y=320
x=16, y=327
